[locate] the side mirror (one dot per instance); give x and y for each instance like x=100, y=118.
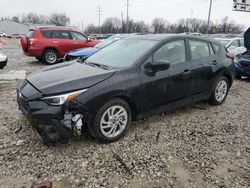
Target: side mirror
x=156, y=66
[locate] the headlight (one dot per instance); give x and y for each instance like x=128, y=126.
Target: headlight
x=62, y=99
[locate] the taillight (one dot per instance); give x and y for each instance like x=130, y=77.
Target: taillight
x=31, y=41
x=230, y=55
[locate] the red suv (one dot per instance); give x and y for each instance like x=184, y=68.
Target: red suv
x=51, y=44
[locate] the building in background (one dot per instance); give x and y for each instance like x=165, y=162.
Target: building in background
x=10, y=27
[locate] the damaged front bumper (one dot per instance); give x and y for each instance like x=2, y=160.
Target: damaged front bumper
x=54, y=123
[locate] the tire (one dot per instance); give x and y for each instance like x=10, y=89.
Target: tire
x=50, y=57
x=119, y=124
x=220, y=91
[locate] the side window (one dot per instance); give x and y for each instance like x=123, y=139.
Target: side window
x=78, y=36
x=61, y=35
x=199, y=49
x=216, y=47
x=47, y=34
x=173, y=52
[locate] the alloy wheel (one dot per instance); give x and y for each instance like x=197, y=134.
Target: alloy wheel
x=51, y=57
x=221, y=90
x=114, y=121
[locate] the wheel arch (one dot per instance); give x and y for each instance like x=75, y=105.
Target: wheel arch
x=229, y=77
x=130, y=103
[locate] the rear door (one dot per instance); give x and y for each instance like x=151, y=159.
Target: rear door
x=79, y=40
x=203, y=62
x=63, y=41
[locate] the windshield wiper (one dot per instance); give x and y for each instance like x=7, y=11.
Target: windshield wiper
x=97, y=65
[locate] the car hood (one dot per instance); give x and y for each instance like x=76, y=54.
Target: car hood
x=67, y=77
x=247, y=39
x=83, y=52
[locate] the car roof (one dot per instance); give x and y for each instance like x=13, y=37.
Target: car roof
x=57, y=28
x=161, y=37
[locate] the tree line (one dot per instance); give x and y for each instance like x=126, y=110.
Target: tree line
x=58, y=19
x=116, y=25
x=160, y=25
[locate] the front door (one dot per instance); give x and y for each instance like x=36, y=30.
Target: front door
x=170, y=85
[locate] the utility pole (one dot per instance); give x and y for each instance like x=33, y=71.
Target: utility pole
x=82, y=25
x=209, y=15
x=127, y=4
x=99, y=12
x=123, y=29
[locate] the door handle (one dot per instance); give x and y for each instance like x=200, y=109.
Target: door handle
x=55, y=42
x=76, y=42
x=214, y=62
x=186, y=72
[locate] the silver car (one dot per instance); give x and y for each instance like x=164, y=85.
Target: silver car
x=233, y=45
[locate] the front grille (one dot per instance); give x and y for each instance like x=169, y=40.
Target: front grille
x=245, y=64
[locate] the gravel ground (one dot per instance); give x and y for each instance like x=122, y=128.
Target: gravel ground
x=195, y=146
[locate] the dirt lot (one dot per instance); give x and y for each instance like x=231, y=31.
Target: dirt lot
x=195, y=146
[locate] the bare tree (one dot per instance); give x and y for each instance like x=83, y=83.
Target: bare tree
x=111, y=25
x=59, y=19
x=158, y=25
x=91, y=29
x=16, y=19
x=31, y=18
x=141, y=27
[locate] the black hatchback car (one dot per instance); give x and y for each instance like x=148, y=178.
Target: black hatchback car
x=127, y=80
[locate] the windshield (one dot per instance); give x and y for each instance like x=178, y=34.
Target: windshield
x=122, y=53
x=106, y=42
x=224, y=42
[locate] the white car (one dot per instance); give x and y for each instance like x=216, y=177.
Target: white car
x=233, y=45
x=2, y=34
x=3, y=59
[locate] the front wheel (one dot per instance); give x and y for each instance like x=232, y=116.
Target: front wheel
x=111, y=121
x=220, y=91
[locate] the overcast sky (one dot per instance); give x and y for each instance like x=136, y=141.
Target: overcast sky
x=146, y=10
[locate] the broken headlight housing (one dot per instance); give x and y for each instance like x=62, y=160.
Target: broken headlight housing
x=62, y=99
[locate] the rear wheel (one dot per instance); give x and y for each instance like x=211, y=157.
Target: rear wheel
x=111, y=121
x=50, y=57
x=220, y=91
